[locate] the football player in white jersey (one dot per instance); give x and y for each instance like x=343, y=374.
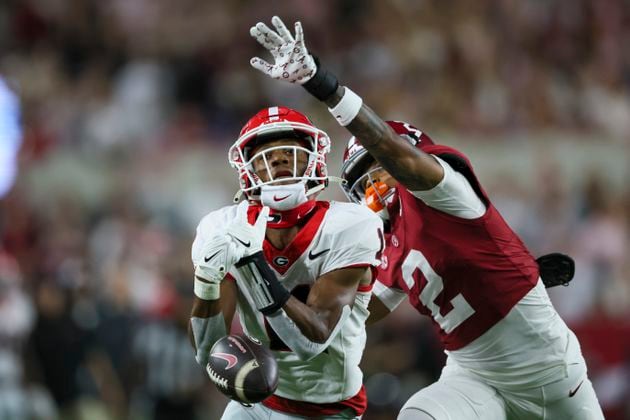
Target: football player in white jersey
x=449, y=251
x=297, y=270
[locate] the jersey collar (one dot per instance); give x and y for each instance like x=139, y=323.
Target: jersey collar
x=282, y=259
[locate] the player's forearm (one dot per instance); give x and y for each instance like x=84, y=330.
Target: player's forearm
x=207, y=325
x=410, y=166
x=306, y=347
x=205, y=308
x=294, y=64
x=314, y=325
x=373, y=133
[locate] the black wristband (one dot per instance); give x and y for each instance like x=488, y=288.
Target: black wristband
x=323, y=84
x=277, y=292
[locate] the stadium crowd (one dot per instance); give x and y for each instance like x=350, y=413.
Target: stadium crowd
x=127, y=108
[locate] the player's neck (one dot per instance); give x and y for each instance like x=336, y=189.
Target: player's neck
x=282, y=237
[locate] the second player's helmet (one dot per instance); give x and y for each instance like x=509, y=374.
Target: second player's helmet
x=358, y=169
x=275, y=123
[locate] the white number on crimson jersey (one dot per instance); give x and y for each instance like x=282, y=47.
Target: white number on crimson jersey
x=461, y=309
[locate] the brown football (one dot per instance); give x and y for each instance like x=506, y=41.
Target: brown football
x=243, y=369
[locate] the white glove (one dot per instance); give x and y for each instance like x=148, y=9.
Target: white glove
x=219, y=256
x=293, y=63
x=249, y=238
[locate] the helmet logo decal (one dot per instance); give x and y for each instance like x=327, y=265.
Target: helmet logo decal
x=412, y=132
x=353, y=147
x=309, y=168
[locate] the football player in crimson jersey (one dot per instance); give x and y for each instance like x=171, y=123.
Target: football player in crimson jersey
x=449, y=251
x=298, y=270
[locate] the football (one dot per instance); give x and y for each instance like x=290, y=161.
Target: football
x=243, y=369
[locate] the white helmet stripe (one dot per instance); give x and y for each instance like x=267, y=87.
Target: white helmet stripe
x=273, y=113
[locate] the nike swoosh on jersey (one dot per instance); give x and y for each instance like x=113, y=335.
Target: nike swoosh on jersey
x=247, y=244
x=572, y=392
x=206, y=259
x=313, y=256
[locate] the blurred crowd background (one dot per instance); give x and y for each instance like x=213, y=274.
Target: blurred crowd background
x=126, y=111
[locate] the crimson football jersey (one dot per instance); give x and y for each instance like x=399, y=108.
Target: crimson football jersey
x=466, y=274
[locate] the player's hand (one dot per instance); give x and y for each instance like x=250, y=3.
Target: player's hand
x=220, y=255
x=293, y=63
x=249, y=238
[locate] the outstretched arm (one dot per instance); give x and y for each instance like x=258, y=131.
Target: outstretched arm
x=410, y=166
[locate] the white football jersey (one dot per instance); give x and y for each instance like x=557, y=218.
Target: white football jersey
x=337, y=235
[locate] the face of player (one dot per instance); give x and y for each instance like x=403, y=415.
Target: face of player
x=378, y=174
x=281, y=158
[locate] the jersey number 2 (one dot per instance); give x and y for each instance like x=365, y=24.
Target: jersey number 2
x=461, y=308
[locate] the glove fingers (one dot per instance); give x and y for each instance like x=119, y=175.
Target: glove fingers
x=282, y=29
x=265, y=36
x=236, y=228
x=219, y=257
x=236, y=252
x=258, y=36
x=261, y=65
x=263, y=40
x=261, y=222
x=299, y=33
x=241, y=213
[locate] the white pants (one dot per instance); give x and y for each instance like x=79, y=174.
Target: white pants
x=236, y=411
x=529, y=366
x=460, y=395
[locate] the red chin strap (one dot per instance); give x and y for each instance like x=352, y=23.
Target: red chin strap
x=282, y=219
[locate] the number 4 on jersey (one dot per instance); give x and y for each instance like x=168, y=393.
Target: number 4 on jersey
x=461, y=309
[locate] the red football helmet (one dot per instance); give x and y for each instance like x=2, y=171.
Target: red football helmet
x=357, y=174
x=274, y=123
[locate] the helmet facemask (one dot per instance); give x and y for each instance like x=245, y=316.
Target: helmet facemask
x=313, y=142
x=360, y=185
x=369, y=191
